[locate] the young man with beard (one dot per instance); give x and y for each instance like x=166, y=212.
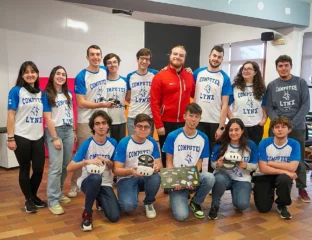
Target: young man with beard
x=97, y=150
x=176, y=143
x=90, y=86
x=129, y=181
x=212, y=91
x=139, y=85
x=289, y=96
x=170, y=94
x=279, y=157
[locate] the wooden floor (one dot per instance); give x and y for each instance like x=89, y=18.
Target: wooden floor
x=231, y=225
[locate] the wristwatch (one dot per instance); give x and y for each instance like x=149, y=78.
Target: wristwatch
x=222, y=128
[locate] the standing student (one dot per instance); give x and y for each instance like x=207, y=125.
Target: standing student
x=212, y=91
x=25, y=133
x=248, y=100
x=97, y=150
x=238, y=180
x=116, y=88
x=139, y=86
x=279, y=157
x=289, y=96
x=59, y=135
x=187, y=147
x=90, y=89
x=170, y=94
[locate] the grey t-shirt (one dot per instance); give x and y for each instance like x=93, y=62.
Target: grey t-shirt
x=289, y=98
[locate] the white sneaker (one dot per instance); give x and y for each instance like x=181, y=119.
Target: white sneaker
x=73, y=192
x=150, y=211
x=57, y=209
x=64, y=199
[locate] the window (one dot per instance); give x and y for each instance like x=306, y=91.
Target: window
x=235, y=54
x=306, y=65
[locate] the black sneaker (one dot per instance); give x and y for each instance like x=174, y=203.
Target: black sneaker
x=39, y=203
x=98, y=205
x=282, y=210
x=30, y=206
x=86, y=224
x=213, y=213
x=196, y=209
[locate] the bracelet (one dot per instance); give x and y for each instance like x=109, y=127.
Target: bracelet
x=10, y=135
x=54, y=138
x=11, y=140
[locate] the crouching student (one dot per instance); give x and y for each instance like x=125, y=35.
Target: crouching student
x=129, y=181
x=238, y=179
x=186, y=147
x=279, y=157
x=97, y=150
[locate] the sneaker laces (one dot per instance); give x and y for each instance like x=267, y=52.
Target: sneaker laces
x=150, y=207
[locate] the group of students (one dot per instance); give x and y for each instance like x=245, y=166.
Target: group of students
x=161, y=99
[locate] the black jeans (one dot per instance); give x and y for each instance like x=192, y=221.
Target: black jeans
x=255, y=133
x=118, y=131
x=264, y=191
x=30, y=152
x=299, y=135
x=210, y=130
x=169, y=127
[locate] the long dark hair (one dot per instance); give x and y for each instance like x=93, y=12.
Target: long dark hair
x=225, y=138
x=258, y=83
x=51, y=91
x=20, y=81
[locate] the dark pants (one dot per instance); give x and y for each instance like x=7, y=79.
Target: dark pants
x=210, y=130
x=264, y=191
x=91, y=187
x=255, y=133
x=299, y=135
x=169, y=127
x=118, y=131
x=30, y=152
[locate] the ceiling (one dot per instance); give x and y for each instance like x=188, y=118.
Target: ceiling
x=155, y=18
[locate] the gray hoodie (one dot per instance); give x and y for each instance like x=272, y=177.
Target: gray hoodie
x=289, y=98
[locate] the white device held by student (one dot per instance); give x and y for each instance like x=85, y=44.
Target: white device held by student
x=95, y=169
x=145, y=165
x=231, y=159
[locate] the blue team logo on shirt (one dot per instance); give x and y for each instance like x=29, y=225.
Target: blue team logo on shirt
x=208, y=88
x=35, y=111
x=67, y=112
x=250, y=102
x=143, y=92
x=115, y=96
x=189, y=158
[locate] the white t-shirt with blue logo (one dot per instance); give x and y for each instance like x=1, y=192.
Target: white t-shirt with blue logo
x=93, y=86
x=128, y=151
x=187, y=150
x=209, y=89
x=90, y=149
x=246, y=107
x=269, y=151
x=237, y=173
x=117, y=89
x=61, y=114
x=29, y=110
x=140, y=87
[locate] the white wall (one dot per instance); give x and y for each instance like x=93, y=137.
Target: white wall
x=36, y=30
x=226, y=33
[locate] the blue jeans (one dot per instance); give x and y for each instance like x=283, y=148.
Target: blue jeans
x=91, y=187
x=129, y=188
x=130, y=124
x=240, y=191
x=178, y=199
x=58, y=161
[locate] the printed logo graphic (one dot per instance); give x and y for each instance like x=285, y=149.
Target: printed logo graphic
x=143, y=92
x=250, y=102
x=208, y=88
x=99, y=92
x=189, y=158
x=115, y=96
x=67, y=112
x=286, y=95
x=35, y=111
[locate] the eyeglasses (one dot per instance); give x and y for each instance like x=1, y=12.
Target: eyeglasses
x=248, y=69
x=141, y=127
x=145, y=59
x=112, y=63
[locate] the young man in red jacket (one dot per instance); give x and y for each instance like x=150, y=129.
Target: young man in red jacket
x=170, y=94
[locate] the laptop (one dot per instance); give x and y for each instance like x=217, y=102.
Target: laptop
x=184, y=176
